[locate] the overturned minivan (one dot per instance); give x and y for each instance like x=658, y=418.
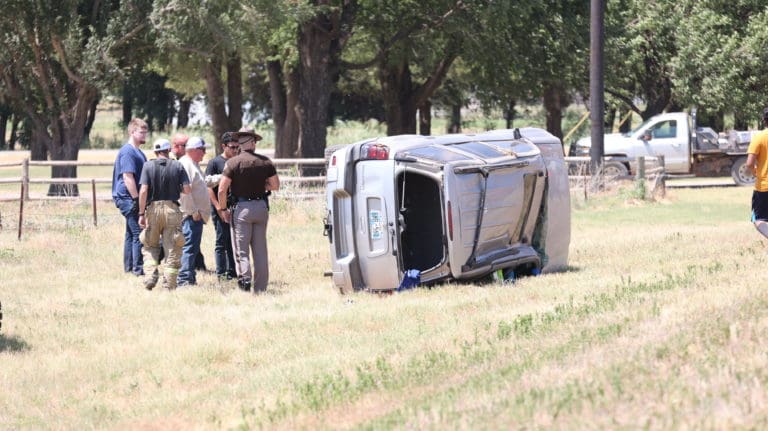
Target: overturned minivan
x=447, y=207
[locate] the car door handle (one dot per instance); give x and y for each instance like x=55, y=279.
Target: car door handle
x=393, y=239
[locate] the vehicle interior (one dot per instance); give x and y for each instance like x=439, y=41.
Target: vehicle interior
x=421, y=221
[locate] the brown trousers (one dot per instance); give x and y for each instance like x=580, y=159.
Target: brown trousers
x=163, y=221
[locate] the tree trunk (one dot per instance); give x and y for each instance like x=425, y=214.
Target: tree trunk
x=626, y=126
x=555, y=100
x=91, y=117
x=454, y=126
x=740, y=121
x=14, y=132
x=127, y=103
x=398, y=94
x=185, y=105
x=609, y=119
x=401, y=97
x=65, y=135
x=4, y=116
x=38, y=140
x=425, y=119
x=509, y=113
x=234, y=94
x=659, y=97
x=319, y=52
x=284, y=99
x=216, y=104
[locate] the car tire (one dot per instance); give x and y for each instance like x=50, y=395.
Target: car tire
x=741, y=173
x=613, y=170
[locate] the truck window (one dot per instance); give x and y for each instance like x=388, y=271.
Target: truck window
x=665, y=129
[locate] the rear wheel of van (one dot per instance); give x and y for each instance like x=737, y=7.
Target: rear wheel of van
x=741, y=173
x=613, y=170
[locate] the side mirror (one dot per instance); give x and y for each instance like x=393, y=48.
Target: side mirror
x=647, y=136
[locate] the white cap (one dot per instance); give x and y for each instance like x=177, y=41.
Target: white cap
x=162, y=145
x=196, y=142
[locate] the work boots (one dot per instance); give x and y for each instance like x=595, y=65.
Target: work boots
x=151, y=280
x=244, y=285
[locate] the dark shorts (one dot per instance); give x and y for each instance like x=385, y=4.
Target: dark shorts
x=759, y=206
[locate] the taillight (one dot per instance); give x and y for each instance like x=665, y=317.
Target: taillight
x=374, y=152
x=333, y=161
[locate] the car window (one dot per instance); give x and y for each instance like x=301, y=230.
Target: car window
x=436, y=153
x=519, y=148
x=480, y=149
x=666, y=129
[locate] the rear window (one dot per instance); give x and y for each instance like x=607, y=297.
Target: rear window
x=482, y=150
x=436, y=153
x=517, y=147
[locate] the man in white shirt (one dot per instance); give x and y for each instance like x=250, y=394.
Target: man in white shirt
x=196, y=209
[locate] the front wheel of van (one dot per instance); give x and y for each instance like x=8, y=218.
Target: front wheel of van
x=613, y=170
x=741, y=173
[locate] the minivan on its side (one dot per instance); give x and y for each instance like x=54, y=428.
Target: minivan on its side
x=456, y=206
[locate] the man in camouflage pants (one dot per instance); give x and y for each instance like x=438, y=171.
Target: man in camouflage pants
x=162, y=182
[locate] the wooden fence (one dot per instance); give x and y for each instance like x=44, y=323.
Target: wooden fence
x=289, y=175
x=288, y=168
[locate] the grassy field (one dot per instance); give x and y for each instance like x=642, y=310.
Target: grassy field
x=660, y=323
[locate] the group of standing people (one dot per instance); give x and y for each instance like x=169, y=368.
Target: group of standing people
x=167, y=202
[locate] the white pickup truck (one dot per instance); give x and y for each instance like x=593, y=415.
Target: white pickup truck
x=686, y=149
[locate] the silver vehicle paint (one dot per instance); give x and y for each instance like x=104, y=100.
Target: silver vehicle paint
x=451, y=207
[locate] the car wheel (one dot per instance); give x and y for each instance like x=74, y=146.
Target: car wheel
x=741, y=173
x=613, y=170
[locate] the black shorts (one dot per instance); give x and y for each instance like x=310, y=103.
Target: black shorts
x=759, y=206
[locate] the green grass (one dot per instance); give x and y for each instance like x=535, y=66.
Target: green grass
x=659, y=323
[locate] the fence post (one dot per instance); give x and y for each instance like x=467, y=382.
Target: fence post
x=640, y=168
x=662, y=176
x=93, y=194
x=25, y=180
x=21, y=210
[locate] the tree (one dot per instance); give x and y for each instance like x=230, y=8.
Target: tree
x=56, y=58
x=413, y=45
x=721, y=64
x=206, y=41
x=321, y=40
x=640, y=45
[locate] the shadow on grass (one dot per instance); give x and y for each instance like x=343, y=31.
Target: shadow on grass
x=12, y=344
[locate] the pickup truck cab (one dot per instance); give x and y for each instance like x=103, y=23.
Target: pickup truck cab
x=449, y=207
x=686, y=149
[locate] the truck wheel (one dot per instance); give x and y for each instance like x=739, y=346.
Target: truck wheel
x=613, y=170
x=741, y=173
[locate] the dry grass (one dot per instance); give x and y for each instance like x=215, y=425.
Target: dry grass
x=660, y=323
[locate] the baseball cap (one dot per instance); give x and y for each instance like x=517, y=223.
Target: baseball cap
x=196, y=142
x=229, y=137
x=161, y=145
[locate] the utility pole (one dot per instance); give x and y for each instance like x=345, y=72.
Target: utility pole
x=597, y=84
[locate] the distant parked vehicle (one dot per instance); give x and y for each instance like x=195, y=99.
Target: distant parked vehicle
x=446, y=207
x=687, y=149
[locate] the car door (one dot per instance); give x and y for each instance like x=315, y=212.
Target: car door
x=375, y=217
x=667, y=138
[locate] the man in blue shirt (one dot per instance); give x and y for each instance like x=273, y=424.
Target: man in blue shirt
x=125, y=192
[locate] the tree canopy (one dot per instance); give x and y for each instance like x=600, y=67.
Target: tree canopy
x=304, y=61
